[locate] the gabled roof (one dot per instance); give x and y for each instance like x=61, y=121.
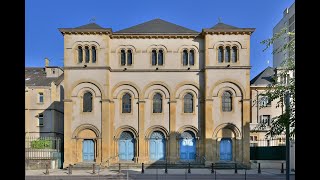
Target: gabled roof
x=221, y=27
x=156, y=26
x=90, y=26
x=264, y=78
x=36, y=76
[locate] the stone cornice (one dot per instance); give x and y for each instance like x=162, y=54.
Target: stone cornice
x=106, y=31
x=154, y=70
x=87, y=67
x=239, y=31
x=227, y=67
x=154, y=36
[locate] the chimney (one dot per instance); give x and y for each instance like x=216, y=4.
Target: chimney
x=47, y=62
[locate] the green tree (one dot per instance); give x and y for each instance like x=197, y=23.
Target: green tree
x=282, y=82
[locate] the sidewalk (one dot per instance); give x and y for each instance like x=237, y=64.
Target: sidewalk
x=150, y=171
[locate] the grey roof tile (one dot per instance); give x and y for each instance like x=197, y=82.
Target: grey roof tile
x=223, y=26
x=36, y=76
x=90, y=26
x=263, y=78
x=157, y=26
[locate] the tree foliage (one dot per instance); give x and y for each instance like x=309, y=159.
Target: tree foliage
x=282, y=82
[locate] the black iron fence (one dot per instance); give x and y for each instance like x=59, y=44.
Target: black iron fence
x=43, y=150
x=268, y=149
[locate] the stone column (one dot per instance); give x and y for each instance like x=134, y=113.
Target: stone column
x=106, y=127
x=141, y=131
x=246, y=132
x=69, y=148
x=172, y=134
x=208, y=131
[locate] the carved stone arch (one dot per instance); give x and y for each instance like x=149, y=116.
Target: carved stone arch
x=152, y=91
x=186, y=85
x=118, y=93
x=229, y=89
x=157, y=46
x=81, y=84
x=126, y=47
x=153, y=85
x=188, y=47
x=238, y=44
x=128, y=83
x=84, y=127
x=229, y=126
x=186, y=91
x=218, y=44
x=151, y=129
x=237, y=87
x=184, y=128
x=126, y=128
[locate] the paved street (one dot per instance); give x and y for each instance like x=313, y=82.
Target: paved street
x=164, y=177
x=174, y=174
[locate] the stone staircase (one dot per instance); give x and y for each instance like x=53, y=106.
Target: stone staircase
x=228, y=165
x=85, y=166
x=157, y=165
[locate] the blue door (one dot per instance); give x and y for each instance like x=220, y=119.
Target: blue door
x=88, y=150
x=187, y=146
x=226, y=149
x=157, y=146
x=126, y=146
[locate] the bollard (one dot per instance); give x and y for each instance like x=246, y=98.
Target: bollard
x=119, y=168
x=70, y=169
x=282, y=169
x=166, y=169
x=189, y=170
x=142, y=168
x=212, y=171
x=235, y=168
x=259, y=169
x=93, y=169
x=47, y=169
x=215, y=174
x=245, y=174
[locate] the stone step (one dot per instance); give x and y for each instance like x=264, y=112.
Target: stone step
x=155, y=166
x=228, y=166
x=85, y=166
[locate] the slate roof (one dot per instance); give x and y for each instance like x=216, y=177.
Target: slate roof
x=221, y=27
x=263, y=78
x=90, y=26
x=156, y=26
x=36, y=76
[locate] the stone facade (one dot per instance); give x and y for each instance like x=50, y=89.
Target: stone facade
x=108, y=81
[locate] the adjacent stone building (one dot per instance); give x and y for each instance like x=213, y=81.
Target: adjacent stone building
x=156, y=92
x=44, y=101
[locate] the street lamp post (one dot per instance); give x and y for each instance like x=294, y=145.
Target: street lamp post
x=287, y=102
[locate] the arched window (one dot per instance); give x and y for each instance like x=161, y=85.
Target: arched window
x=157, y=103
x=80, y=54
x=185, y=57
x=123, y=57
x=191, y=57
x=86, y=49
x=227, y=57
x=188, y=103
x=160, y=57
x=234, y=54
x=220, y=54
x=94, y=54
x=126, y=103
x=129, y=57
x=87, y=102
x=154, y=57
x=226, y=101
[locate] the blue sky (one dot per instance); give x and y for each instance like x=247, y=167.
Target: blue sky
x=43, y=18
